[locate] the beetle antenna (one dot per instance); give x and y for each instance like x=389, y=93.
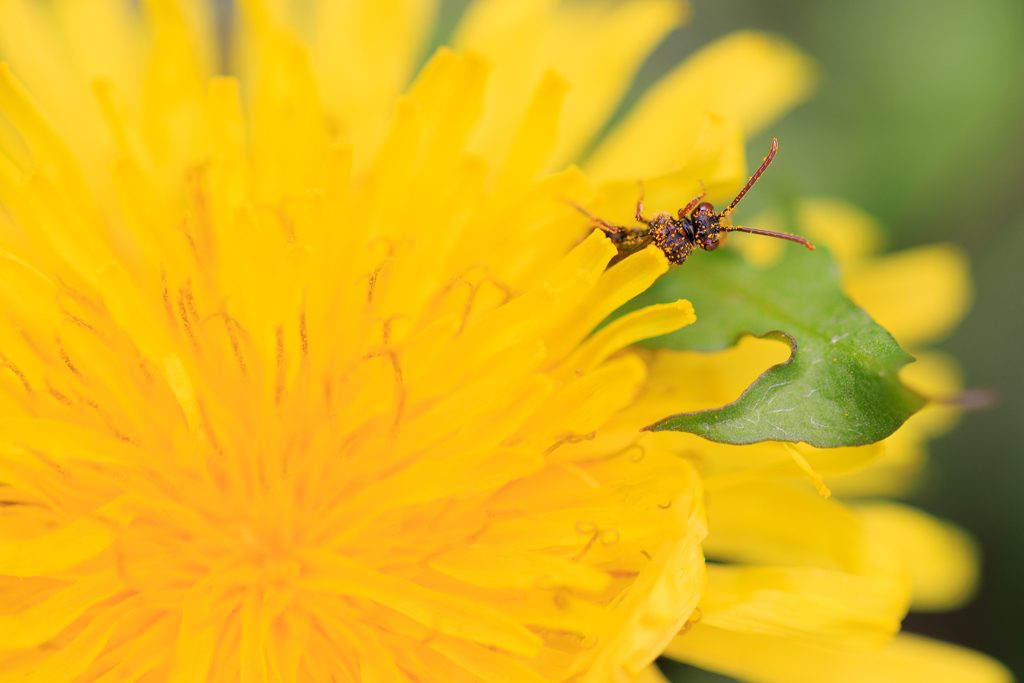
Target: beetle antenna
x=605, y=225
x=754, y=178
x=771, y=233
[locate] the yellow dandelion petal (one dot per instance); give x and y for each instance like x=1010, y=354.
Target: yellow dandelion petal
x=716, y=162
x=918, y=294
x=43, y=621
x=384, y=39
x=645, y=323
x=595, y=47
x=829, y=537
x=942, y=558
x=747, y=78
x=908, y=658
x=650, y=675
x=804, y=603
x=78, y=541
x=847, y=231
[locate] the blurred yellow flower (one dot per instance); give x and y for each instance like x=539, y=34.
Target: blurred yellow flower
x=297, y=376
x=896, y=558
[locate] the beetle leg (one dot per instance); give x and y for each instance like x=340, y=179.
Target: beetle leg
x=640, y=204
x=693, y=202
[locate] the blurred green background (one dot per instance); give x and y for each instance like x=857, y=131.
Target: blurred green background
x=918, y=118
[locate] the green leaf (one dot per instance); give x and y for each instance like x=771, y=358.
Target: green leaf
x=839, y=386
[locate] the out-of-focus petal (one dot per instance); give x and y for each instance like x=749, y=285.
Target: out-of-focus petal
x=596, y=47
x=768, y=659
x=746, y=77
x=783, y=524
x=893, y=475
x=651, y=674
x=364, y=53
x=848, y=232
x=937, y=376
x=829, y=607
x=919, y=295
x=716, y=163
x=941, y=557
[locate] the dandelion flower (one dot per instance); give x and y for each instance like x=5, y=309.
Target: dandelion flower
x=298, y=375
x=285, y=386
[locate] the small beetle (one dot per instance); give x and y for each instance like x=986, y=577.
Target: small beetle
x=677, y=236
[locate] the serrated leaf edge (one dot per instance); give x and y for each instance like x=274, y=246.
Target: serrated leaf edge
x=778, y=335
